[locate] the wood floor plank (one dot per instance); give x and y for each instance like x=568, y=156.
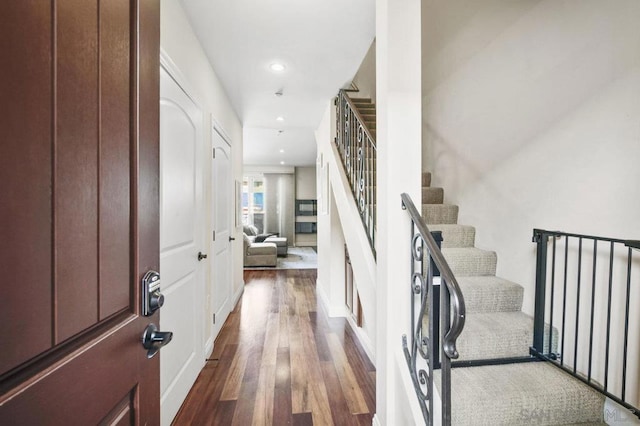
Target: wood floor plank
x=350, y=386
x=361, y=368
x=339, y=408
x=206, y=408
x=278, y=360
x=223, y=414
x=302, y=419
x=263, y=408
x=232, y=385
x=319, y=332
x=192, y=403
x=282, y=411
x=246, y=400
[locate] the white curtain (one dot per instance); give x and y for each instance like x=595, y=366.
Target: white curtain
x=279, y=201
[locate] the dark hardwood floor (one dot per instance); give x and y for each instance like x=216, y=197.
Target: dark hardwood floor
x=279, y=360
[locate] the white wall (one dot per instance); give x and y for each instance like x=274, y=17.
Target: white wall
x=179, y=42
x=531, y=119
x=365, y=78
x=398, y=124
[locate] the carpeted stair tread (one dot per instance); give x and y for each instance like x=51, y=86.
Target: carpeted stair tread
x=360, y=100
x=496, y=335
x=490, y=294
x=455, y=235
x=533, y=393
x=470, y=261
x=440, y=213
x=432, y=195
x=426, y=179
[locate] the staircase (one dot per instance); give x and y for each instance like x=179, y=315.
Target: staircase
x=513, y=393
x=495, y=380
x=367, y=110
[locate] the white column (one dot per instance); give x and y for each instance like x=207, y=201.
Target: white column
x=399, y=118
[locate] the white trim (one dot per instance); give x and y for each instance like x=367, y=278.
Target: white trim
x=208, y=348
x=376, y=420
x=332, y=311
x=237, y=296
x=217, y=127
x=174, y=72
x=341, y=311
x=365, y=340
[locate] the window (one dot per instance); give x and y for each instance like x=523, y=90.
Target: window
x=253, y=201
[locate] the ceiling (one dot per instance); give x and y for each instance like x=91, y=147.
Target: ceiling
x=320, y=42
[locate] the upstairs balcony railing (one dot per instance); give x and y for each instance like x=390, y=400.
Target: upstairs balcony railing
x=357, y=150
x=437, y=317
x=587, y=291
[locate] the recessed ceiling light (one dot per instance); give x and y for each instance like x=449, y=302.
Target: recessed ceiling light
x=277, y=67
x=280, y=118
x=282, y=162
x=282, y=150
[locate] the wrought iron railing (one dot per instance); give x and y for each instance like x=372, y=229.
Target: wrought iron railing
x=587, y=293
x=357, y=150
x=437, y=317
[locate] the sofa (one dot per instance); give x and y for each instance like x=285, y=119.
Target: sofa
x=280, y=242
x=259, y=254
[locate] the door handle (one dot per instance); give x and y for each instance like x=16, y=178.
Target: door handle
x=231, y=239
x=201, y=256
x=153, y=340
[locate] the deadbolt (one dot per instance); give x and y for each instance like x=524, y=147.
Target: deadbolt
x=152, y=299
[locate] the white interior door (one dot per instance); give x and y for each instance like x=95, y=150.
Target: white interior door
x=222, y=209
x=181, y=231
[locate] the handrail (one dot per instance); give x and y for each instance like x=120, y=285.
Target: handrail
x=357, y=150
x=437, y=295
x=457, y=299
x=359, y=117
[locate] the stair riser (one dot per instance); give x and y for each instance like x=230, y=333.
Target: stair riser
x=472, y=265
x=456, y=235
x=479, y=299
x=440, y=213
x=432, y=195
x=426, y=179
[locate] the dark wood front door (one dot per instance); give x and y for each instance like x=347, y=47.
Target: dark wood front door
x=78, y=210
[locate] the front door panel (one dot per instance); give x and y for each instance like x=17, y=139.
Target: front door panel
x=79, y=214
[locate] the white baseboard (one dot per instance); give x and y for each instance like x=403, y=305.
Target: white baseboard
x=341, y=311
x=376, y=421
x=208, y=348
x=365, y=340
x=237, y=296
x=331, y=310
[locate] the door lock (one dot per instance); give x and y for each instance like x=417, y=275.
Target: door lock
x=153, y=340
x=152, y=299
x=201, y=256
